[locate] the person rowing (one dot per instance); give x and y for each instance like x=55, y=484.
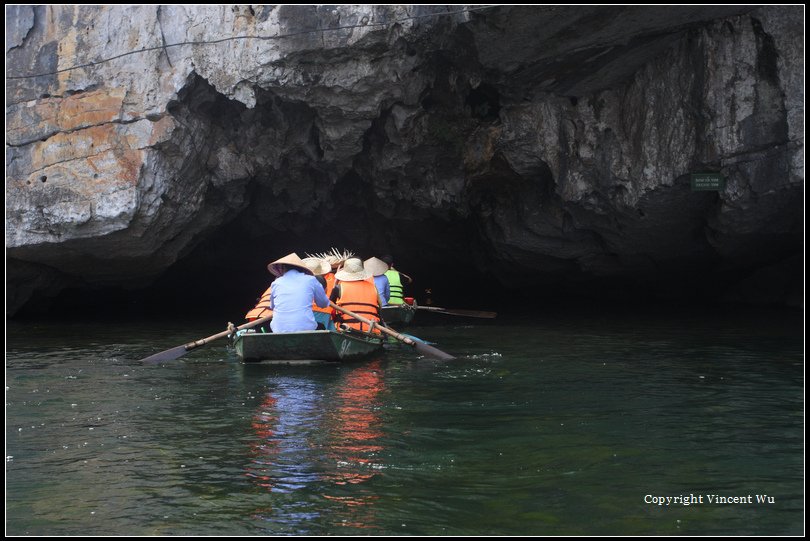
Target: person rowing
x=292, y=295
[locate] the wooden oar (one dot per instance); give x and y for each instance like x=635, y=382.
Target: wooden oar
x=457, y=312
x=421, y=347
x=179, y=351
x=412, y=337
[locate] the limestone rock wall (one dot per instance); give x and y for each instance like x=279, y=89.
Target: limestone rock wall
x=546, y=141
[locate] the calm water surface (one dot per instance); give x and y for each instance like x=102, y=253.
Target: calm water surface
x=559, y=425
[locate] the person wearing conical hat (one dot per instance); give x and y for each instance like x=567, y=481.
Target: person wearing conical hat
x=377, y=267
x=321, y=268
x=355, y=291
x=292, y=294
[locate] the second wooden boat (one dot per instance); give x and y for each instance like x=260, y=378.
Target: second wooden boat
x=398, y=314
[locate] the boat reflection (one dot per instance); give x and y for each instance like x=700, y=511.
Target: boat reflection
x=324, y=438
x=281, y=454
x=356, y=426
x=355, y=444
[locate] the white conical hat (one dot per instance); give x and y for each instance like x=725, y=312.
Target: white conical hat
x=352, y=271
x=375, y=266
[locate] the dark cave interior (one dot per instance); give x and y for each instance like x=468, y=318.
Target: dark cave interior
x=226, y=273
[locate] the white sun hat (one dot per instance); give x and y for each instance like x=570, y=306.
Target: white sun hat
x=318, y=266
x=352, y=271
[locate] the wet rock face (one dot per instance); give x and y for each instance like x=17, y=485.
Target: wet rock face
x=550, y=143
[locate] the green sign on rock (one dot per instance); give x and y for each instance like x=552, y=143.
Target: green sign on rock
x=707, y=182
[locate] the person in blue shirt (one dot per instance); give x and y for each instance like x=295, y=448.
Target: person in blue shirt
x=377, y=267
x=292, y=295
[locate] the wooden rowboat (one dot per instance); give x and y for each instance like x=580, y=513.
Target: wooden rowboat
x=398, y=314
x=306, y=346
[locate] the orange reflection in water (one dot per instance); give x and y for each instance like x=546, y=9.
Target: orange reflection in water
x=357, y=425
x=265, y=445
x=355, y=443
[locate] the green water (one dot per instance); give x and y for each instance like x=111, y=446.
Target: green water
x=558, y=425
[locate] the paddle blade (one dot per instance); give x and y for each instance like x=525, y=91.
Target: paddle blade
x=168, y=355
x=430, y=351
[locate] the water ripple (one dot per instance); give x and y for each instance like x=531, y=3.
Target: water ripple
x=534, y=426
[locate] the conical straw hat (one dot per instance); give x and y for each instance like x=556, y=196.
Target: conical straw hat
x=291, y=260
x=375, y=266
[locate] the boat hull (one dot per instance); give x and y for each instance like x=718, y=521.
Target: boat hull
x=398, y=314
x=304, y=347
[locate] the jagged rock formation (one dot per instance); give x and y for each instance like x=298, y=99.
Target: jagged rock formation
x=551, y=142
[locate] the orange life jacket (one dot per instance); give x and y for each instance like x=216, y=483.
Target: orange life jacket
x=360, y=297
x=261, y=309
x=330, y=285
